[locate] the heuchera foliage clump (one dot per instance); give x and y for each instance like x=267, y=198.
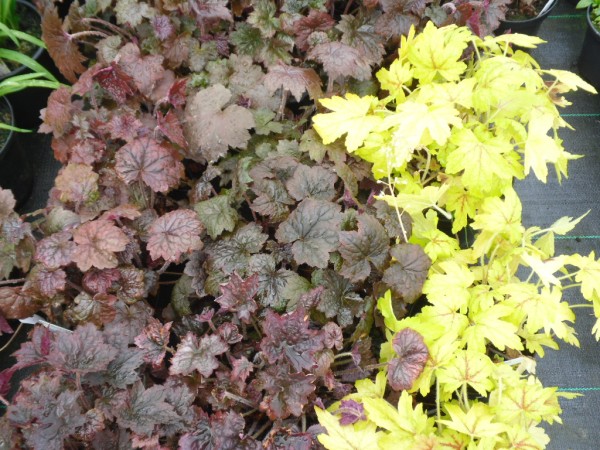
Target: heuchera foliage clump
x=215, y=266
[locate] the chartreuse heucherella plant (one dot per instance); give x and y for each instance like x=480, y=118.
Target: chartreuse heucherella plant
x=463, y=119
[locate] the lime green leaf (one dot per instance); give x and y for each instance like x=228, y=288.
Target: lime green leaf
x=468, y=367
x=351, y=115
x=360, y=436
x=437, y=53
x=588, y=274
x=565, y=224
x=489, y=326
x=477, y=422
x=571, y=80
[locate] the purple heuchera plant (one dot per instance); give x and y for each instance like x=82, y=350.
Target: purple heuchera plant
x=213, y=265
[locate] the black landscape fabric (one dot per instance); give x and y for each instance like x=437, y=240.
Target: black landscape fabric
x=571, y=369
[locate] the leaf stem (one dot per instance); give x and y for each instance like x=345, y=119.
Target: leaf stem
x=13, y=281
x=582, y=305
x=12, y=338
x=239, y=399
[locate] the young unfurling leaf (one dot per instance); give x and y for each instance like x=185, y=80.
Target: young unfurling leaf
x=173, y=234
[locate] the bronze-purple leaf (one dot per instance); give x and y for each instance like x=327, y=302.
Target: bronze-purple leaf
x=97, y=242
x=408, y=272
x=56, y=250
x=174, y=234
x=238, y=296
x=149, y=161
x=198, y=354
x=410, y=359
x=154, y=340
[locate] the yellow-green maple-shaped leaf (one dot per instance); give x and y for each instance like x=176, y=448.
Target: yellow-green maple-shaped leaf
x=498, y=217
x=526, y=402
x=565, y=224
x=462, y=203
x=360, y=436
x=441, y=352
x=436, y=53
x=403, y=420
x=418, y=124
x=571, y=80
x=450, y=287
x=489, y=325
x=468, y=367
x=477, y=422
x=457, y=93
x=588, y=274
x=366, y=388
x=541, y=149
x=544, y=269
x=351, y=115
x=521, y=40
x=540, y=310
x=530, y=438
x=395, y=79
x=480, y=158
x=535, y=342
x=415, y=203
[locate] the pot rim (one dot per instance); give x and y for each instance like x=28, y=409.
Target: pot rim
x=38, y=53
x=11, y=134
x=536, y=18
x=591, y=25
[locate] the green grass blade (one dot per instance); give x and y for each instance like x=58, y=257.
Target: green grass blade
x=27, y=62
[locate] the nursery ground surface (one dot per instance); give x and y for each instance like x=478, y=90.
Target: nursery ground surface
x=571, y=369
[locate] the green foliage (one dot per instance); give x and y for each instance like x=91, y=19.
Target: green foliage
x=594, y=6
x=449, y=140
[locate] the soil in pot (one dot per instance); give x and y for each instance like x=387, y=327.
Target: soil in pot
x=15, y=168
x=589, y=58
x=526, y=16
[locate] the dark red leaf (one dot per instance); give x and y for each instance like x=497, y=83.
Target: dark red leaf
x=412, y=354
x=116, y=82
x=101, y=281
x=177, y=93
x=286, y=393
x=408, y=272
x=170, y=126
x=238, y=296
x=288, y=337
x=305, y=26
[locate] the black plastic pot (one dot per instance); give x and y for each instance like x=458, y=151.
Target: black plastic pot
x=529, y=26
x=16, y=172
x=589, y=58
x=28, y=103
